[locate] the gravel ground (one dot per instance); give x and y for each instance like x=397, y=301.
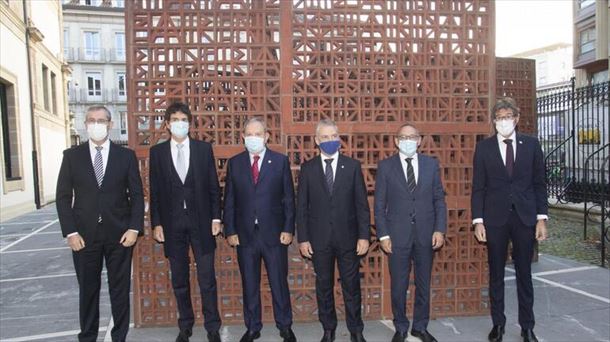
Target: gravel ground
x=566, y=239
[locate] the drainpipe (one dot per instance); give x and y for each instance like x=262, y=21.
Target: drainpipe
x=32, y=115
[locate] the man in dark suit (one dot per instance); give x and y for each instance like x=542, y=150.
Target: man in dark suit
x=259, y=222
x=185, y=213
x=100, y=205
x=509, y=202
x=333, y=222
x=411, y=220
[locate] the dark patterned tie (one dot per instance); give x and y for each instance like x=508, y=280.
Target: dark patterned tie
x=328, y=174
x=98, y=166
x=410, y=175
x=510, y=157
x=255, y=170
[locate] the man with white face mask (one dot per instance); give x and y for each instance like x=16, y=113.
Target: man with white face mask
x=100, y=205
x=411, y=221
x=185, y=213
x=259, y=222
x=509, y=202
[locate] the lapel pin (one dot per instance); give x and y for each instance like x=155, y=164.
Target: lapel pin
x=342, y=166
x=520, y=141
x=269, y=161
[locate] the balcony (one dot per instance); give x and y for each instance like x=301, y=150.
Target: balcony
x=83, y=96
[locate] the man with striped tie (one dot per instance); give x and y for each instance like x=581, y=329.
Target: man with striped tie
x=411, y=220
x=100, y=205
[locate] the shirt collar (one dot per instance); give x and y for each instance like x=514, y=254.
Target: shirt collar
x=105, y=145
x=513, y=136
x=335, y=156
x=261, y=154
x=185, y=143
x=404, y=156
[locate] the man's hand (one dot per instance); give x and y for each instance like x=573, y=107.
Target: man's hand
x=305, y=248
x=216, y=228
x=386, y=245
x=479, y=232
x=129, y=238
x=76, y=242
x=362, y=247
x=541, y=233
x=158, y=234
x=438, y=240
x=233, y=240
x=285, y=238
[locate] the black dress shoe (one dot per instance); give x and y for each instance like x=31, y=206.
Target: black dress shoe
x=423, y=335
x=288, y=335
x=329, y=336
x=400, y=337
x=357, y=337
x=214, y=336
x=250, y=336
x=528, y=335
x=184, y=335
x=495, y=335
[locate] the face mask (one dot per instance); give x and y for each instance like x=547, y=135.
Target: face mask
x=179, y=129
x=330, y=147
x=505, y=127
x=407, y=147
x=254, y=144
x=97, y=132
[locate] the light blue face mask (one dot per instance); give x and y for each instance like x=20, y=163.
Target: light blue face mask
x=179, y=129
x=408, y=147
x=254, y=144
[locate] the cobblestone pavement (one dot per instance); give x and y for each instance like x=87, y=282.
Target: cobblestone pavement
x=566, y=239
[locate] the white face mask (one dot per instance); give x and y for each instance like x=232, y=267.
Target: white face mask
x=97, y=132
x=505, y=127
x=180, y=129
x=408, y=147
x=254, y=144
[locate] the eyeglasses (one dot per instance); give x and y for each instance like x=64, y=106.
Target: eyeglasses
x=98, y=121
x=505, y=117
x=328, y=137
x=413, y=137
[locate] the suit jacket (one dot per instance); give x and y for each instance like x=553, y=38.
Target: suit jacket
x=394, y=203
x=341, y=216
x=119, y=201
x=494, y=192
x=270, y=201
x=207, y=191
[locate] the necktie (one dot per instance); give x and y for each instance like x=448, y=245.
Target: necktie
x=98, y=166
x=510, y=156
x=410, y=175
x=181, y=166
x=255, y=170
x=328, y=174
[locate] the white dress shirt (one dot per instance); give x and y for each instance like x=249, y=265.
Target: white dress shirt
x=186, y=152
x=260, y=160
x=334, y=163
x=502, y=148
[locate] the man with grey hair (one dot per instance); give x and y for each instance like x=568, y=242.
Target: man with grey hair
x=100, y=205
x=509, y=203
x=259, y=222
x=333, y=221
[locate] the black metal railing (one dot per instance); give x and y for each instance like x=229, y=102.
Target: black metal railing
x=574, y=131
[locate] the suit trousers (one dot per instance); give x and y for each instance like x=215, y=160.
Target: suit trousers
x=523, y=238
x=182, y=237
x=400, y=261
x=88, y=265
x=276, y=264
x=324, y=266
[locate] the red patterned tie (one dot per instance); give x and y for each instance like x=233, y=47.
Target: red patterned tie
x=255, y=170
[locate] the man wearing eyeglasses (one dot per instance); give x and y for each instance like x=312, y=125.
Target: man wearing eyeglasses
x=411, y=221
x=509, y=202
x=333, y=224
x=100, y=205
x=185, y=214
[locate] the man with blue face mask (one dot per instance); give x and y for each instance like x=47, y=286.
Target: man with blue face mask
x=509, y=203
x=259, y=223
x=333, y=222
x=185, y=213
x=411, y=221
